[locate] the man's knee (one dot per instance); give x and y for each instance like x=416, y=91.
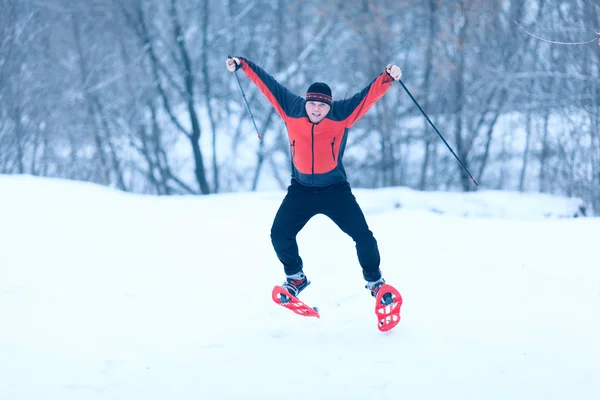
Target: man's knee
x=277, y=234
x=281, y=239
x=365, y=239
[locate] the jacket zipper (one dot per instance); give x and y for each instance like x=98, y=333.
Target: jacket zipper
x=333, y=148
x=293, y=148
x=313, y=152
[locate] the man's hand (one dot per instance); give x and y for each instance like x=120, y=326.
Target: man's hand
x=233, y=64
x=394, y=71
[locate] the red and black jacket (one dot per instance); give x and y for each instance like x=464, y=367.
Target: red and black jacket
x=317, y=149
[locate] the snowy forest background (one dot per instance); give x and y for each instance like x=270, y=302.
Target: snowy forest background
x=134, y=94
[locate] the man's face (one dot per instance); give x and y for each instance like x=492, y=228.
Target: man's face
x=316, y=111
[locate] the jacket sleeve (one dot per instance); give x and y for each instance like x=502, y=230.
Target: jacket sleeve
x=278, y=95
x=352, y=109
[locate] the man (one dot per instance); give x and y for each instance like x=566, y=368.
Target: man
x=317, y=129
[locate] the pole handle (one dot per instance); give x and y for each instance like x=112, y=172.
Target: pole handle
x=245, y=100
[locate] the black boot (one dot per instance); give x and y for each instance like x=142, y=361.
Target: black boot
x=296, y=283
x=374, y=287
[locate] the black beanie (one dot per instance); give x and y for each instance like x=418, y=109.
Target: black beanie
x=319, y=91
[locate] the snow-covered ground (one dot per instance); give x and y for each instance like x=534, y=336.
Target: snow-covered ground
x=106, y=295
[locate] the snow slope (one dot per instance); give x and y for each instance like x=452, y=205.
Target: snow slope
x=106, y=295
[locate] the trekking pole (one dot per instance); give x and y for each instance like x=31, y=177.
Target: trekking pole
x=245, y=101
x=439, y=134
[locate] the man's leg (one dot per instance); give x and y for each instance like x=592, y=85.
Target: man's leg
x=293, y=214
x=342, y=208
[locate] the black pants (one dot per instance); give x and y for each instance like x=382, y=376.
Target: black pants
x=338, y=203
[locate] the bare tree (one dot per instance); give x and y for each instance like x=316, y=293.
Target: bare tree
x=133, y=94
x=173, y=83
x=428, y=136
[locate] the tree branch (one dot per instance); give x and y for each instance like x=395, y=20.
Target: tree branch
x=597, y=38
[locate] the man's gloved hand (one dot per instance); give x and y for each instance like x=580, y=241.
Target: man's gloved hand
x=394, y=71
x=233, y=64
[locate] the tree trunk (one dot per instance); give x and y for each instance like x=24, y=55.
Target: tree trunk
x=544, y=156
x=428, y=136
x=459, y=100
x=207, y=94
x=20, y=136
x=101, y=158
x=528, y=133
x=188, y=79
